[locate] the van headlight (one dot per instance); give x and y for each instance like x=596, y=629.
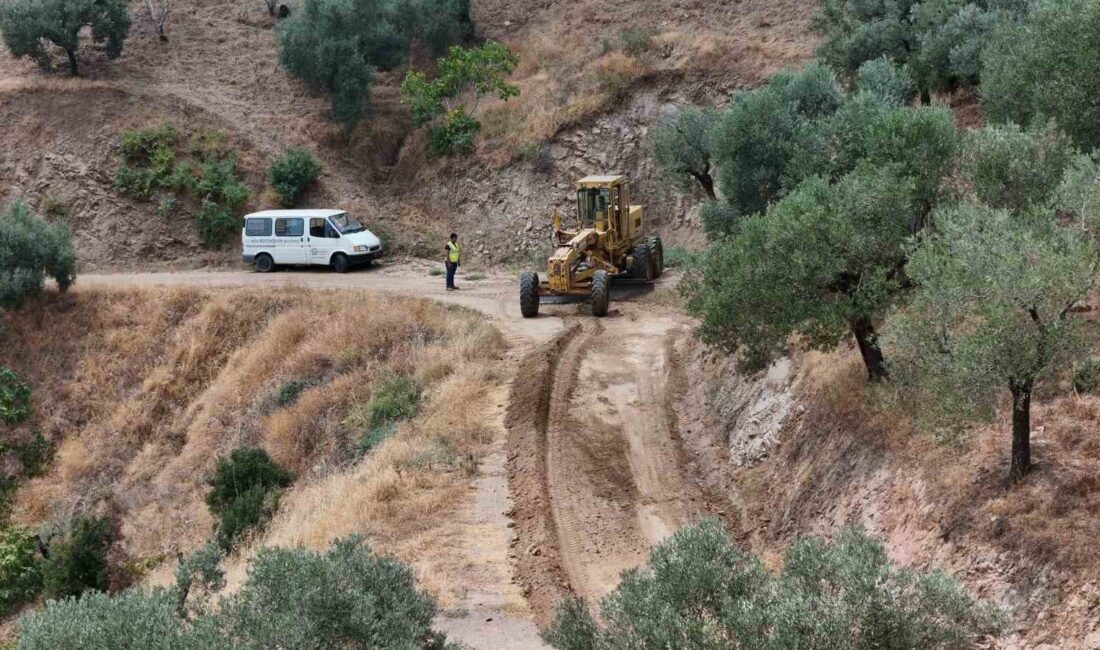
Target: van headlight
x=361, y=249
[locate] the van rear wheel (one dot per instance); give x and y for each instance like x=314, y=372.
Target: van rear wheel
x=264, y=263
x=340, y=263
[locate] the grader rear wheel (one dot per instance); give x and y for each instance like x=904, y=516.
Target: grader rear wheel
x=529, y=294
x=601, y=293
x=657, y=251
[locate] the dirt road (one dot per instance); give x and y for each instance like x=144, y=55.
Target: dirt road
x=595, y=470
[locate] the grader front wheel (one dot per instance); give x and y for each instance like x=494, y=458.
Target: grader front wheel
x=601, y=293
x=529, y=294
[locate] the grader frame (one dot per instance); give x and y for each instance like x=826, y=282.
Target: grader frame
x=606, y=242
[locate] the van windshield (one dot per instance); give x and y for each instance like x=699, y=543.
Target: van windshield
x=346, y=224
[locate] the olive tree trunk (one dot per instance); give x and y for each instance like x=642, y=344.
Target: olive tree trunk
x=864, y=331
x=1021, y=429
x=72, y=61
x=707, y=183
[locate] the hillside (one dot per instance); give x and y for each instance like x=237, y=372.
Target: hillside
x=219, y=71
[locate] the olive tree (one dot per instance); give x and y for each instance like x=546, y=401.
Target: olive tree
x=827, y=260
x=681, y=148
x=756, y=139
x=335, y=46
x=699, y=591
x=31, y=250
x=993, y=312
x=1045, y=67
x=27, y=25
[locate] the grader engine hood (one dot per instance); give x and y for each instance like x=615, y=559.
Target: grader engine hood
x=559, y=268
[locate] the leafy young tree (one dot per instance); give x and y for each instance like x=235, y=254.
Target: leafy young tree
x=244, y=489
x=1044, y=67
x=32, y=249
x=700, y=592
x=681, y=147
x=480, y=71
x=993, y=311
x=28, y=24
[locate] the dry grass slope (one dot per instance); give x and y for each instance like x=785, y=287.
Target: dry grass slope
x=141, y=391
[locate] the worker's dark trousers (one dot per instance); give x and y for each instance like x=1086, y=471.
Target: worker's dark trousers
x=451, y=268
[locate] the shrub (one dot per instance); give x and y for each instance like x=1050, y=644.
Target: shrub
x=79, y=561
x=1086, y=375
x=27, y=25
x=216, y=223
x=244, y=492
x=1079, y=193
x=135, y=183
x=292, y=174
x=30, y=250
x=677, y=257
x=455, y=134
x=20, y=573
x=1044, y=67
x=636, y=42
x=34, y=455
x=701, y=591
x=142, y=145
x=289, y=392
x=15, y=398
x=719, y=218
x=396, y=399
x=374, y=437
x=346, y=597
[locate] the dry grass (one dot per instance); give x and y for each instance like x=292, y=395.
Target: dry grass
x=142, y=391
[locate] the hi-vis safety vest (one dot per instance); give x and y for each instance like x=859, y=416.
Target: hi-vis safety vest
x=453, y=253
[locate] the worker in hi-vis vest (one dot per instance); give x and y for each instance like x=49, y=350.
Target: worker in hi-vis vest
x=453, y=259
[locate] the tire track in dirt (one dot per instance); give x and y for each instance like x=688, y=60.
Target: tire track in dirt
x=596, y=466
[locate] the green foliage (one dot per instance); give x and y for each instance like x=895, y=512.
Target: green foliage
x=33, y=455
x=636, y=42
x=15, y=397
x=398, y=398
x=699, y=591
x=244, y=492
x=454, y=135
x=20, y=573
x=335, y=46
x=821, y=262
x=1044, y=67
x=941, y=40
x=993, y=308
x=682, y=148
x=764, y=130
x=374, y=437
x=78, y=562
x=289, y=392
x=346, y=597
x=1005, y=167
x=719, y=218
x=677, y=257
x=31, y=250
x=292, y=174
x=889, y=82
x=480, y=70
x=1086, y=375
x=153, y=165
x=27, y=25
x=293, y=599
x=1079, y=193
x=920, y=143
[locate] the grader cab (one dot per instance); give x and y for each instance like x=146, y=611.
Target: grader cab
x=606, y=241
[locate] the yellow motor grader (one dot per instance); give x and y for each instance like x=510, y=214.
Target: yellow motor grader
x=607, y=242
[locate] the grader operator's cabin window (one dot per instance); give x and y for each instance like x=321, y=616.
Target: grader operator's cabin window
x=289, y=227
x=257, y=227
x=590, y=203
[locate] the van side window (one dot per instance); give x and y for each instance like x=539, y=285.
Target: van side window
x=293, y=227
x=257, y=227
x=317, y=228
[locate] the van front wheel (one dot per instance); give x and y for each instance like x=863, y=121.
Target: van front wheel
x=340, y=263
x=264, y=263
